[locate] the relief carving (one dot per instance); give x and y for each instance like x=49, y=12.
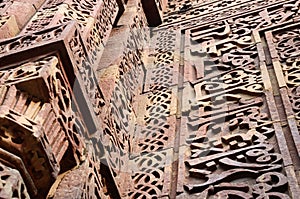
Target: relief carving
x=188, y=109
x=228, y=127
x=84, y=181
x=12, y=184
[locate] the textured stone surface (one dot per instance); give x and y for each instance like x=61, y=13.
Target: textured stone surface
x=12, y=185
x=17, y=9
x=95, y=102
x=8, y=27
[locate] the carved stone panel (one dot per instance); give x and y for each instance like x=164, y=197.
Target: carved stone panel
x=94, y=20
x=152, y=175
x=229, y=111
x=163, y=66
x=12, y=184
x=43, y=108
x=74, y=59
x=84, y=181
x=284, y=55
x=39, y=125
x=96, y=103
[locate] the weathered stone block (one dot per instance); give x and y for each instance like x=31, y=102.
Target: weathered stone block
x=17, y=9
x=8, y=27
x=35, y=3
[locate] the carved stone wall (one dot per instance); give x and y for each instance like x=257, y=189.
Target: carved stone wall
x=96, y=102
x=51, y=107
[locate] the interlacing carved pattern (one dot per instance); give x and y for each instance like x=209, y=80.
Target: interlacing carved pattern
x=153, y=137
x=87, y=74
x=229, y=34
x=158, y=106
x=286, y=44
x=156, y=136
x=78, y=54
x=243, y=6
x=41, y=121
x=148, y=175
x=154, y=133
x=72, y=45
x=121, y=111
x=130, y=70
x=138, y=31
x=201, y=119
x=99, y=33
x=165, y=40
x=164, y=71
x=161, y=78
x=58, y=11
x=87, y=6
x=11, y=183
x=41, y=19
x=177, y=5
x=191, y=10
x=53, y=125
x=227, y=126
x=83, y=20
x=227, y=143
x=57, y=93
x=24, y=41
x=157, y=130
x=85, y=78
x=118, y=121
x=94, y=19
